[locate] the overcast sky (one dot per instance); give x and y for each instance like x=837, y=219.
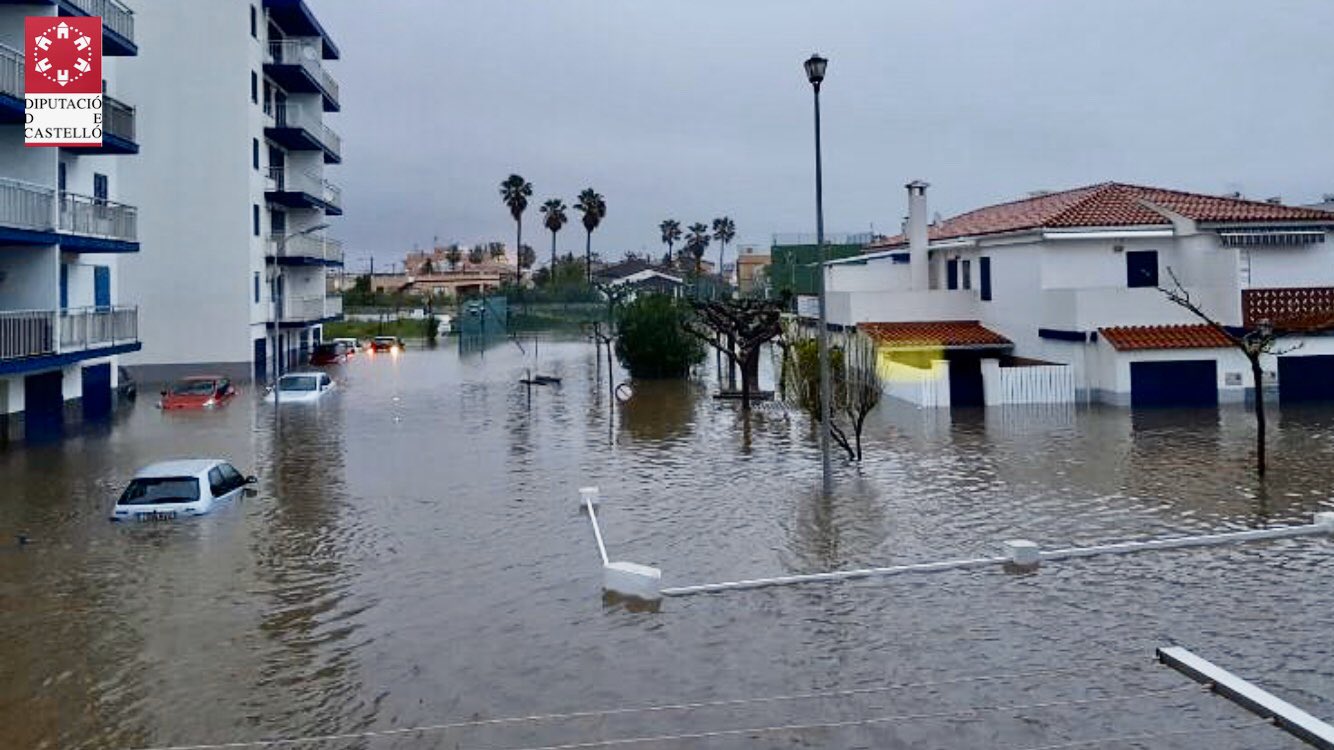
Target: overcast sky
x=692, y=109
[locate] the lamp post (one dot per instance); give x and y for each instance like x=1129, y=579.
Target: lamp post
x=277, y=310
x=815, y=69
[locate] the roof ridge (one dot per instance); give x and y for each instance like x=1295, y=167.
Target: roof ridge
x=1210, y=196
x=1101, y=189
x=1041, y=196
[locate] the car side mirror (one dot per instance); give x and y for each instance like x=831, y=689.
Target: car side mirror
x=252, y=479
x=163, y=392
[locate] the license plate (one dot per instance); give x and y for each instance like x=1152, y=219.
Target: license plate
x=157, y=515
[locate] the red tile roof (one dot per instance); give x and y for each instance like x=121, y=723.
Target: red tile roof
x=1131, y=338
x=933, y=334
x=1108, y=204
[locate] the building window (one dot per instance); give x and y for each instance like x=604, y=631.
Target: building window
x=60, y=177
x=254, y=88
x=254, y=218
x=254, y=22
x=1142, y=268
x=967, y=274
x=257, y=287
x=100, y=191
x=984, y=270
x=952, y=273
x=254, y=152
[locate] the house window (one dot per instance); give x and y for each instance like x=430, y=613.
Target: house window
x=254, y=22
x=254, y=87
x=1142, y=268
x=967, y=274
x=254, y=152
x=100, y=191
x=257, y=287
x=984, y=270
x=952, y=273
x=254, y=218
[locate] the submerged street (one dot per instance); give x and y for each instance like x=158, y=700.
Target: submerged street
x=415, y=555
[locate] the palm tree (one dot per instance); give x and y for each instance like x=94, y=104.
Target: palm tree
x=594, y=209
x=724, y=230
x=454, y=254
x=555, y=219
x=697, y=241
x=515, y=191
x=671, y=232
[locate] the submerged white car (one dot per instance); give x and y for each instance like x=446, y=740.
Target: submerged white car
x=301, y=387
x=179, y=489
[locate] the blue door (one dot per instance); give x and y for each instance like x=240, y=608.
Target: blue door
x=43, y=406
x=1185, y=382
x=102, y=287
x=261, y=360
x=97, y=392
x=1306, y=378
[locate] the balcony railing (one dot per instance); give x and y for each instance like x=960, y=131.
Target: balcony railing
x=95, y=217
x=305, y=53
x=39, y=333
x=11, y=71
x=1291, y=307
x=288, y=115
x=117, y=118
x=307, y=246
x=332, y=194
x=307, y=308
x=115, y=16
x=296, y=181
x=24, y=205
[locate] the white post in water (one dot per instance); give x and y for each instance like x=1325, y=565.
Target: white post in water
x=624, y=578
x=1022, y=554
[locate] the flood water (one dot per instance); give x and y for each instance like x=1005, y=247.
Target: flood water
x=414, y=556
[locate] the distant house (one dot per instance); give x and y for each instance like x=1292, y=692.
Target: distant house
x=641, y=276
x=752, y=262
x=1056, y=297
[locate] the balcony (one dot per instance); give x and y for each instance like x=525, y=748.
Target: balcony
x=11, y=84
x=297, y=189
x=309, y=309
x=117, y=23
x=97, y=225
x=25, y=213
x=294, y=64
x=295, y=17
x=33, y=340
x=306, y=250
x=298, y=129
x=1291, y=308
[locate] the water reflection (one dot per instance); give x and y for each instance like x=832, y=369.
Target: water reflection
x=660, y=410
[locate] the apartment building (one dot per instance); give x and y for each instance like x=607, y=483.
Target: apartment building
x=234, y=251
x=1059, y=297
x=66, y=230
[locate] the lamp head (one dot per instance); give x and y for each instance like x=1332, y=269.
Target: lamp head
x=815, y=67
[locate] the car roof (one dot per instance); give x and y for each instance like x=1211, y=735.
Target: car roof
x=202, y=377
x=181, y=467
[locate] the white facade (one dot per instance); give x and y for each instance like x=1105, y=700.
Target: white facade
x=239, y=90
x=66, y=228
x=1052, y=290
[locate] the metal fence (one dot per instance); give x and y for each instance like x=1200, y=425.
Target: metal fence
x=25, y=205
x=115, y=16
x=81, y=214
x=88, y=327
x=288, y=115
x=830, y=238
x=27, y=333
x=117, y=118
x=305, y=53
x=11, y=71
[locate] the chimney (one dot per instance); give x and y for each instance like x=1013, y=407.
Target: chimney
x=917, y=237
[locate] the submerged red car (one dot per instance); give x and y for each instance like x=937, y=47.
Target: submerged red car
x=198, y=392
x=328, y=354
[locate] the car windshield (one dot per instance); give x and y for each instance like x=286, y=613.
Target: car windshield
x=297, y=383
x=155, y=490
x=193, y=388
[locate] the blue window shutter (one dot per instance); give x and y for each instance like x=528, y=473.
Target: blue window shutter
x=64, y=286
x=102, y=286
x=952, y=274
x=984, y=269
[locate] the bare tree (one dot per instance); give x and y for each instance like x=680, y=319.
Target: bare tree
x=855, y=388
x=1254, y=343
x=745, y=326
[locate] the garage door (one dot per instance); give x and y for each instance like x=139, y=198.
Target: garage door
x=1185, y=382
x=1309, y=378
x=43, y=406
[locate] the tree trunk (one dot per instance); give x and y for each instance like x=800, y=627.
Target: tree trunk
x=731, y=362
x=722, y=251
x=518, y=250
x=751, y=359
x=551, y=272
x=1257, y=375
x=588, y=256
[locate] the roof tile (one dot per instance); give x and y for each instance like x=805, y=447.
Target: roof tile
x=1134, y=338
x=926, y=334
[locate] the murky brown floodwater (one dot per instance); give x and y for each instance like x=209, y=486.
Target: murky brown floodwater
x=414, y=556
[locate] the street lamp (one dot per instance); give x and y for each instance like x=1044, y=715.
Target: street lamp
x=815, y=68
x=277, y=310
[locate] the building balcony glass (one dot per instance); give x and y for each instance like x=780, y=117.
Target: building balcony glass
x=296, y=128
x=310, y=309
x=296, y=18
x=26, y=211
x=297, y=189
x=117, y=23
x=294, y=64
x=117, y=130
x=97, y=225
x=306, y=250
x=33, y=340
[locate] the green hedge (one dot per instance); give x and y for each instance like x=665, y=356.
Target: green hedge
x=651, y=340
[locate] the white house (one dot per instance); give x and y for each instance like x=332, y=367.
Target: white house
x=240, y=91
x=1057, y=297
x=66, y=230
